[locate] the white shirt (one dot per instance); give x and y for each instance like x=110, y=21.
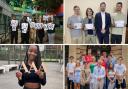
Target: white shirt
x=71, y=68
x=120, y=69
x=103, y=19
x=99, y=72
x=14, y=24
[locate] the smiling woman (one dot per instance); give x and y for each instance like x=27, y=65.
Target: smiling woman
x=31, y=74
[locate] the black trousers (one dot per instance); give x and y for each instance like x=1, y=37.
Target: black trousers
x=14, y=36
x=116, y=39
x=103, y=38
x=40, y=35
x=24, y=38
x=70, y=83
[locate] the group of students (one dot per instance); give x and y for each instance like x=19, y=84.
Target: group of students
x=32, y=31
x=106, y=72
x=97, y=26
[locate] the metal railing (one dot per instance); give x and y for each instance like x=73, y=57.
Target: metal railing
x=4, y=32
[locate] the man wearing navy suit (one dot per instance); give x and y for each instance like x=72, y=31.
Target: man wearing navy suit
x=102, y=24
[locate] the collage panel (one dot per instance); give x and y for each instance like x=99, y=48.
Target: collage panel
x=63, y=44
x=31, y=22
x=31, y=67
x=95, y=22
x=96, y=67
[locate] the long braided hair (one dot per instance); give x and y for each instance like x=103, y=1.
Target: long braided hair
x=37, y=60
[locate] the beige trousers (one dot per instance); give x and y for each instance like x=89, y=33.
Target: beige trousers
x=99, y=84
x=76, y=40
x=32, y=35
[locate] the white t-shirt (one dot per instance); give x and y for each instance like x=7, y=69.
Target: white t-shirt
x=14, y=24
x=120, y=69
x=24, y=27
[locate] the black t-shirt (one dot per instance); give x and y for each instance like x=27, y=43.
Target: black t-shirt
x=31, y=77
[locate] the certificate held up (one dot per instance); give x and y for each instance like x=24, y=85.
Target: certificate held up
x=89, y=26
x=119, y=24
x=78, y=25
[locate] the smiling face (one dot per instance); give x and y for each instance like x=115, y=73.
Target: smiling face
x=32, y=52
x=119, y=7
x=89, y=12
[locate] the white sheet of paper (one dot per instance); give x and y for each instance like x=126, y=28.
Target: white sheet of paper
x=32, y=25
x=119, y=23
x=78, y=25
x=39, y=25
x=24, y=27
x=14, y=24
x=89, y=26
x=45, y=17
x=45, y=26
x=50, y=26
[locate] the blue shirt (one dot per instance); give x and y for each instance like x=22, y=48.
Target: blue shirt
x=99, y=72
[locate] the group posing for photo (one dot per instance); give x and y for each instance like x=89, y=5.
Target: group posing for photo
x=89, y=72
x=87, y=30
x=32, y=31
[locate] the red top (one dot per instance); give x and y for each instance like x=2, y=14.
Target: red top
x=88, y=58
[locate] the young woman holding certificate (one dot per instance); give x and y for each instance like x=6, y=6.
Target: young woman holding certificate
x=51, y=31
x=32, y=74
x=40, y=30
x=89, y=29
x=32, y=31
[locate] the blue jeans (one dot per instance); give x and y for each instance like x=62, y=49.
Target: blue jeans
x=105, y=83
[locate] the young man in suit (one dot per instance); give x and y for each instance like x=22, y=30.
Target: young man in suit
x=102, y=24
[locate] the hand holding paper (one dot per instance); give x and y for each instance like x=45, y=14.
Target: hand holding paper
x=14, y=24
x=32, y=25
x=50, y=26
x=39, y=25
x=77, y=25
x=45, y=26
x=89, y=26
x=119, y=24
x=24, y=27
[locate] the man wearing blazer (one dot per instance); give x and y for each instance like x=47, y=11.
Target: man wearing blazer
x=102, y=24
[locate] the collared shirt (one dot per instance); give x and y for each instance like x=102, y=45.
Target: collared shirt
x=120, y=69
x=103, y=19
x=99, y=72
x=70, y=68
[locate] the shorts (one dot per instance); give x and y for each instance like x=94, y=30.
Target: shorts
x=122, y=85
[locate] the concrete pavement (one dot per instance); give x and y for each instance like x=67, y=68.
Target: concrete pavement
x=54, y=78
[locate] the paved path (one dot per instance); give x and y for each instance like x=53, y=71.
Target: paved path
x=54, y=78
